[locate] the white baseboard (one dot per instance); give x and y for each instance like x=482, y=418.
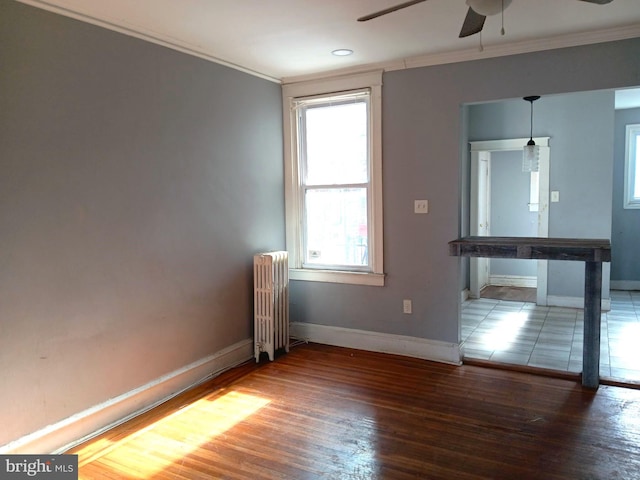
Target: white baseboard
x=574, y=302
x=465, y=295
x=84, y=425
x=379, y=342
x=513, y=281
x=625, y=285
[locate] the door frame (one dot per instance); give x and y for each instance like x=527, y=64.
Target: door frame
x=480, y=197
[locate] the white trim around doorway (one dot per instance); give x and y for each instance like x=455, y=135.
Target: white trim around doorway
x=480, y=211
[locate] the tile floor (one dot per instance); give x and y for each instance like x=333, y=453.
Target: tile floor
x=551, y=337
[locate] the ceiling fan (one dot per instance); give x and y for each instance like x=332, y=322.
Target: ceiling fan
x=476, y=15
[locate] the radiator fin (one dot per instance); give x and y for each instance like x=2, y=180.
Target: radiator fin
x=271, y=302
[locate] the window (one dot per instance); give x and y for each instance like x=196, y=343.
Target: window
x=333, y=179
x=632, y=167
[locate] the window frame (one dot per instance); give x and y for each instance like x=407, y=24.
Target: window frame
x=371, y=81
x=631, y=165
x=303, y=105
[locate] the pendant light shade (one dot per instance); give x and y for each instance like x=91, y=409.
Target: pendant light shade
x=531, y=151
x=531, y=158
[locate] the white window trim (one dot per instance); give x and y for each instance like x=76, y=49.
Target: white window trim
x=293, y=202
x=534, y=192
x=630, y=166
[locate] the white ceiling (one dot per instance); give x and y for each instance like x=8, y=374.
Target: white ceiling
x=285, y=40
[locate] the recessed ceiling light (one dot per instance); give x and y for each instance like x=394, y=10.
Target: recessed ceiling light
x=342, y=52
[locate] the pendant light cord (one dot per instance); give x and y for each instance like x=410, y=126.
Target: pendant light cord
x=531, y=99
x=531, y=131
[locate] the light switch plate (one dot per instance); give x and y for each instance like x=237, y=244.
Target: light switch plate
x=555, y=196
x=421, y=206
x=407, y=307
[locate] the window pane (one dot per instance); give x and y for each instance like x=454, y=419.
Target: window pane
x=636, y=183
x=336, y=227
x=336, y=144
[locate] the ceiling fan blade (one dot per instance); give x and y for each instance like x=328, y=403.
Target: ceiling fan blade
x=389, y=10
x=473, y=24
x=598, y=2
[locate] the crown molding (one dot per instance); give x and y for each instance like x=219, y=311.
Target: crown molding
x=489, y=51
x=135, y=31
x=440, y=58
x=526, y=46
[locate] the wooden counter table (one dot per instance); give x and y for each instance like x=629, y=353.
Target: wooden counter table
x=592, y=252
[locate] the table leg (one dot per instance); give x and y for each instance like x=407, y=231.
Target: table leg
x=592, y=311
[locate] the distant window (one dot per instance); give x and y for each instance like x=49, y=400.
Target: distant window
x=632, y=167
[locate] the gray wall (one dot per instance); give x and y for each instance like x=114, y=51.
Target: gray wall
x=625, y=236
x=422, y=152
x=510, y=214
x=581, y=165
x=137, y=182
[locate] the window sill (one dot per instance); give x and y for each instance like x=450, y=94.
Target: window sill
x=333, y=276
x=632, y=205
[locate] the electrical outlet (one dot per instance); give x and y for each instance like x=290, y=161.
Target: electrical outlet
x=421, y=206
x=406, y=306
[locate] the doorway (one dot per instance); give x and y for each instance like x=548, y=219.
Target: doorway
x=485, y=157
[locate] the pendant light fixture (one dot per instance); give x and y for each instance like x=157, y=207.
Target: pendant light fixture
x=531, y=153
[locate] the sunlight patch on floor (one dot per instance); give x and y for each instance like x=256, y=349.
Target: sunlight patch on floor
x=504, y=333
x=164, y=443
x=627, y=343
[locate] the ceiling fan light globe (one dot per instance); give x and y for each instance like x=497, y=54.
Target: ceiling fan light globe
x=488, y=7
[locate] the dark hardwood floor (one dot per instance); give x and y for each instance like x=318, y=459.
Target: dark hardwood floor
x=324, y=412
x=514, y=294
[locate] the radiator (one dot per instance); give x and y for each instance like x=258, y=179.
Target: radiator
x=271, y=303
